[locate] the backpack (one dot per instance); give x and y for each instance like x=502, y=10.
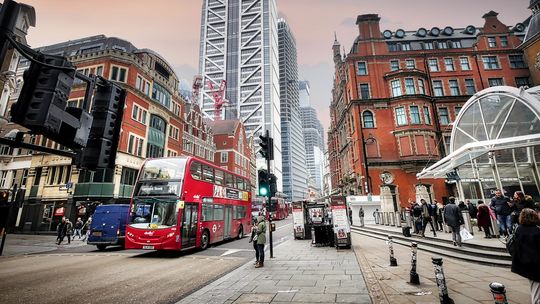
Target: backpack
x=417, y=210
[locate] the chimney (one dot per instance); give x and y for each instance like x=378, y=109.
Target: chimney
x=492, y=24
x=368, y=26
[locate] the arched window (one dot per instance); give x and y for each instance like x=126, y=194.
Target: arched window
x=368, y=119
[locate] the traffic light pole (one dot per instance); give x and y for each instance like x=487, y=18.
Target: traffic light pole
x=270, y=205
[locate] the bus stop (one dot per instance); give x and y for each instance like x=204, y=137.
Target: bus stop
x=495, y=144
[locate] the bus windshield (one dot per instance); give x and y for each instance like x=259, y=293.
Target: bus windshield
x=164, y=169
x=151, y=212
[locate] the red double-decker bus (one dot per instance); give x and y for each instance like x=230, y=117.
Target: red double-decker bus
x=184, y=202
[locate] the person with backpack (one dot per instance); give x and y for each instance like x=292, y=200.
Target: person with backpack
x=454, y=219
x=78, y=228
x=417, y=216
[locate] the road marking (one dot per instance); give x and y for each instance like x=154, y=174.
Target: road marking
x=231, y=251
x=283, y=226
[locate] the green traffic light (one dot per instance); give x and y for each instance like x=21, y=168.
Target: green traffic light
x=263, y=191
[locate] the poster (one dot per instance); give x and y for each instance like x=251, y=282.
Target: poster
x=316, y=215
x=340, y=218
x=298, y=220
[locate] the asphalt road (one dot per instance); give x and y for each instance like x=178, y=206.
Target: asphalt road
x=83, y=274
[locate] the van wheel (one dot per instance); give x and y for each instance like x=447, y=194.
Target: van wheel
x=240, y=232
x=101, y=247
x=205, y=240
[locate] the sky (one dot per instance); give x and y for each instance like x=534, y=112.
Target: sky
x=172, y=27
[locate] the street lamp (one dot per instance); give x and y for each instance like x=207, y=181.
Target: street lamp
x=365, y=141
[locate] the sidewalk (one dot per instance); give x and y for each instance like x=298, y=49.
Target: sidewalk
x=298, y=273
x=467, y=282
x=21, y=244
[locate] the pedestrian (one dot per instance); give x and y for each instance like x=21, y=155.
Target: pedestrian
x=61, y=231
x=454, y=219
x=78, y=228
x=69, y=230
x=87, y=224
x=350, y=215
x=484, y=219
x=472, y=209
x=417, y=216
x=440, y=209
x=525, y=250
x=375, y=213
x=261, y=240
x=253, y=239
x=361, y=216
x=503, y=208
x=426, y=218
x=462, y=206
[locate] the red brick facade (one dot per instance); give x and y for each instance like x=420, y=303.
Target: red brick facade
x=396, y=94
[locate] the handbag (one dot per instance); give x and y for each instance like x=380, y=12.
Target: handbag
x=512, y=243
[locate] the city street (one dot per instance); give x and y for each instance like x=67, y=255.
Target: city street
x=83, y=274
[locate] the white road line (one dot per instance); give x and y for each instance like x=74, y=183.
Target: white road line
x=283, y=226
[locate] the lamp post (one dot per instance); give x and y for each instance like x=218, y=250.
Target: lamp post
x=365, y=141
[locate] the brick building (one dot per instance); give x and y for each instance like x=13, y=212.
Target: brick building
x=396, y=94
x=152, y=126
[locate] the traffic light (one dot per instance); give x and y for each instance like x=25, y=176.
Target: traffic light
x=4, y=198
x=267, y=146
x=41, y=106
x=107, y=112
x=264, y=183
x=273, y=185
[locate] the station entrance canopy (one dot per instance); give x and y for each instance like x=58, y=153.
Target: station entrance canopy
x=495, y=139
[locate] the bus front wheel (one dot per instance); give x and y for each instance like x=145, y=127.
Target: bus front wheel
x=205, y=240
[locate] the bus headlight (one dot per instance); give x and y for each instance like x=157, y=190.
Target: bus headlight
x=170, y=235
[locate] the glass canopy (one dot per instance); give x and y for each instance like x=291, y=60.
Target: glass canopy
x=495, y=140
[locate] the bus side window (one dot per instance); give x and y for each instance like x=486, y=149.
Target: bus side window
x=218, y=212
x=208, y=174
x=207, y=212
x=196, y=170
x=220, y=176
x=229, y=180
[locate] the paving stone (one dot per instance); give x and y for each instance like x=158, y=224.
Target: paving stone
x=255, y=298
x=304, y=277
x=314, y=298
x=356, y=298
x=296, y=283
x=284, y=297
x=337, y=277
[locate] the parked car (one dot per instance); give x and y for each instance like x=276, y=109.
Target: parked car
x=108, y=226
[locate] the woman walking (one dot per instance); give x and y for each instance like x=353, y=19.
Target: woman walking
x=525, y=250
x=484, y=219
x=261, y=240
x=253, y=239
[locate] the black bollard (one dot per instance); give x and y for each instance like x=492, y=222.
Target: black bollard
x=499, y=293
x=393, y=261
x=414, y=279
x=441, y=281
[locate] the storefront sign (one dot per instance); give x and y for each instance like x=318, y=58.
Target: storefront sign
x=60, y=211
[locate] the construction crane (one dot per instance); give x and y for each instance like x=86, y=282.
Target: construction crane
x=196, y=88
x=219, y=97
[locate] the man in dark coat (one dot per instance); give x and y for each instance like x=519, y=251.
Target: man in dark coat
x=454, y=219
x=503, y=209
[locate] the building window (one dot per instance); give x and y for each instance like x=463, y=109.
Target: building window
x=433, y=65
x=490, y=62
x=143, y=85
x=171, y=153
x=224, y=157
x=367, y=118
x=118, y=73
x=465, y=65
x=135, y=145
x=428, y=46
x=364, y=91
x=139, y=114
x=161, y=95
x=129, y=176
x=469, y=85
x=154, y=151
x=454, y=87
x=442, y=45
x=174, y=132
x=394, y=65
x=362, y=68
x=443, y=116
x=396, y=87
x=457, y=110
x=415, y=115
x=427, y=116
x=517, y=62
x=522, y=82
x=59, y=175
x=449, y=64
x=409, y=86
x=438, y=88
x=410, y=64
x=504, y=41
x=493, y=82
x=405, y=46
x=456, y=44
x=401, y=118
x=421, y=87
x=492, y=42
x=176, y=108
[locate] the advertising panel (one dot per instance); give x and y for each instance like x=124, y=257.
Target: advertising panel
x=339, y=217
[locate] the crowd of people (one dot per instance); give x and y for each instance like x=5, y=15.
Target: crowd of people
x=66, y=229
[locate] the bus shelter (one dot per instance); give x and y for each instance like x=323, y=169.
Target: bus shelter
x=495, y=144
